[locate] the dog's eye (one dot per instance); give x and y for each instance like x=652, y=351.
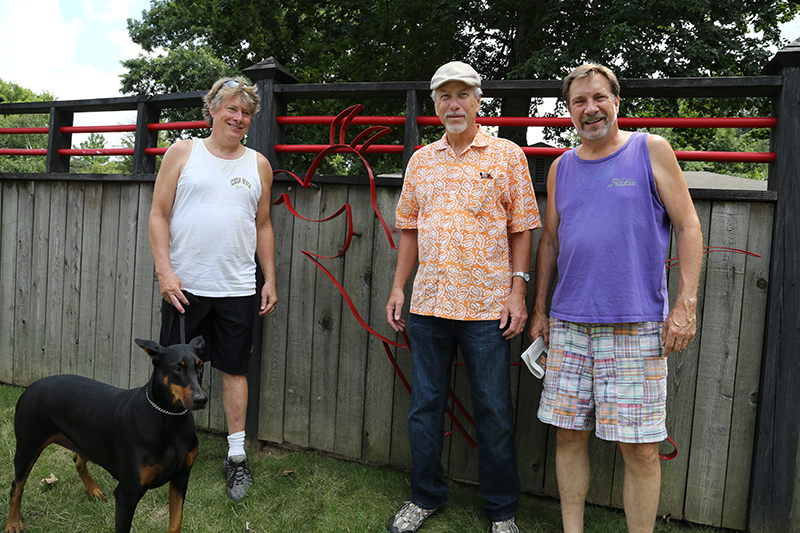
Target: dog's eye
x=177, y=369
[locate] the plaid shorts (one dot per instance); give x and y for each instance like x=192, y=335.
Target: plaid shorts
x=611, y=374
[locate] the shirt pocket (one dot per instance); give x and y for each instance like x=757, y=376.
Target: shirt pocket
x=478, y=194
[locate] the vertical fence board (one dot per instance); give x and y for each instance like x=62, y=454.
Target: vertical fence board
x=34, y=343
x=142, y=296
x=379, y=408
x=531, y=434
x=400, y=452
x=602, y=463
x=716, y=366
x=89, y=281
x=23, y=356
x=327, y=313
x=70, y=330
x=214, y=408
x=122, y=340
x=357, y=281
x=274, y=342
x=8, y=278
x=301, y=320
x=106, y=283
x=55, y=279
x=681, y=386
x=748, y=368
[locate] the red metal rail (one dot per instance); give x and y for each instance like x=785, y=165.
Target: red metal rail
x=630, y=122
x=556, y=122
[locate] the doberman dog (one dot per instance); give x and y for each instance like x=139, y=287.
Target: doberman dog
x=144, y=437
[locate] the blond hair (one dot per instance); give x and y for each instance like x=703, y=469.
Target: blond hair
x=225, y=88
x=589, y=69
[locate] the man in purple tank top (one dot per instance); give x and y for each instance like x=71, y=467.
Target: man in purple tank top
x=610, y=204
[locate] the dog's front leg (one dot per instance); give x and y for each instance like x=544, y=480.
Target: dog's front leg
x=126, y=501
x=177, y=495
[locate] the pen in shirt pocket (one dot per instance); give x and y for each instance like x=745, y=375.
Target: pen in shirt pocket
x=485, y=176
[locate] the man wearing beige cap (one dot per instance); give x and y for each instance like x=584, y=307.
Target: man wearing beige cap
x=466, y=212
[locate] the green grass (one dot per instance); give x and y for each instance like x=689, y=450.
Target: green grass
x=294, y=491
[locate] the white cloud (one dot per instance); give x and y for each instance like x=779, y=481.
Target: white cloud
x=28, y=66
x=121, y=39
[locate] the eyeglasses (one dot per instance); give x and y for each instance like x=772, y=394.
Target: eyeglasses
x=232, y=84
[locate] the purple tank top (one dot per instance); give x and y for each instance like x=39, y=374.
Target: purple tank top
x=613, y=238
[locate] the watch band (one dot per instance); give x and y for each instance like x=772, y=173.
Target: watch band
x=524, y=275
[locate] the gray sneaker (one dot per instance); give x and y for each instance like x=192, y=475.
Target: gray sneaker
x=506, y=526
x=238, y=473
x=409, y=518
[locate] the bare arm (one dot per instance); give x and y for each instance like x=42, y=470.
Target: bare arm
x=680, y=326
x=265, y=239
x=158, y=222
x=515, y=312
x=406, y=261
x=546, y=264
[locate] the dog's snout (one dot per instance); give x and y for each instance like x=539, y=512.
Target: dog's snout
x=199, y=400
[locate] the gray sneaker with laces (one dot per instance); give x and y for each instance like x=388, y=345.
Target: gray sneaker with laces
x=238, y=473
x=506, y=526
x=409, y=518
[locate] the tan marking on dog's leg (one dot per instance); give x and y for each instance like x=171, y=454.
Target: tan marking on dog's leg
x=175, y=509
x=91, y=486
x=14, y=522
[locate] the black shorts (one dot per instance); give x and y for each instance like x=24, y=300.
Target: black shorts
x=226, y=324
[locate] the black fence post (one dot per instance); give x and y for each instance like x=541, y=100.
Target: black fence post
x=413, y=135
x=778, y=425
x=56, y=140
x=145, y=114
x=264, y=134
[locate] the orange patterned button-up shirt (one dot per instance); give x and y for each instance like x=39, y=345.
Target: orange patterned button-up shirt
x=463, y=208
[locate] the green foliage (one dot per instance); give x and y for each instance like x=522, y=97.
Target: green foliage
x=646, y=38
x=12, y=93
x=94, y=164
x=367, y=41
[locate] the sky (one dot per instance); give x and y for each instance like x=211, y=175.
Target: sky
x=73, y=49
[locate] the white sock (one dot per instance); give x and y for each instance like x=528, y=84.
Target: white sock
x=236, y=444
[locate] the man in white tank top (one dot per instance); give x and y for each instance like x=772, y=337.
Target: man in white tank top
x=208, y=222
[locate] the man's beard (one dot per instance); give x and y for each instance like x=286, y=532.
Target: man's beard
x=600, y=132
x=453, y=128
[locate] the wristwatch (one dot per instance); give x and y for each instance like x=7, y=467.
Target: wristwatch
x=524, y=275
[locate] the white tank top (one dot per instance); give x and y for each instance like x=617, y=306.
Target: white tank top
x=212, y=228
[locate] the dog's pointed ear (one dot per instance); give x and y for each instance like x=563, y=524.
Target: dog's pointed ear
x=152, y=348
x=198, y=343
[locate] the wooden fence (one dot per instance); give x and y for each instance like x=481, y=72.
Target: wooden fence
x=77, y=286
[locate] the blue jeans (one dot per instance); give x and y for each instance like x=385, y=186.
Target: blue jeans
x=486, y=355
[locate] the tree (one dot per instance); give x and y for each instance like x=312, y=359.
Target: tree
x=94, y=164
x=361, y=40
x=11, y=92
